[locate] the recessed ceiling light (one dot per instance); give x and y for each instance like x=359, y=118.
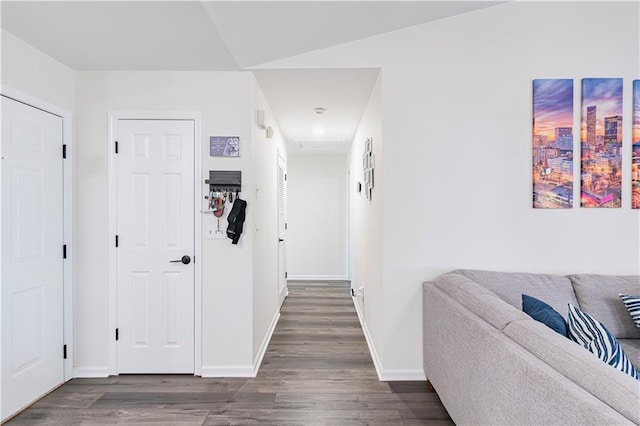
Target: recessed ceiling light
x=319, y=110
x=318, y=131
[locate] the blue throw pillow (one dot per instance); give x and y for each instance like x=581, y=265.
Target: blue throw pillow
x=632, y=303
x=540, y=311
x=590, y=333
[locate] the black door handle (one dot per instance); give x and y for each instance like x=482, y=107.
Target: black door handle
x=280, y=240
x=185, y=259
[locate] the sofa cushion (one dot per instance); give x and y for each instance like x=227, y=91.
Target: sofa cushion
x=479, y=300
x=540, y=311
x=598, y=295
x=615, y=388
x=590, y=333
x=632, y=303
x=555, y=290
x=632, y=349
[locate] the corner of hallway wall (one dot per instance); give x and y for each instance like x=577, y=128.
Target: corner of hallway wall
x=365, y=226
x=266, y=296
x=33, y=72
x=228, y=275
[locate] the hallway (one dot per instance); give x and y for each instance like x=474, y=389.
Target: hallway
x=317, y=370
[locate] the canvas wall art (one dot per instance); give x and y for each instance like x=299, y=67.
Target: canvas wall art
x=552, y=143
x=635, y=156
x=601, y=143
x=224, y=146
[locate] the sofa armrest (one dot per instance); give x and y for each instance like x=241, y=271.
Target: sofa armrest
x=484, y=377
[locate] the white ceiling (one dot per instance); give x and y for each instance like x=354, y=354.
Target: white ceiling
x=229, y=35
x=263, y=31
x=293, y=95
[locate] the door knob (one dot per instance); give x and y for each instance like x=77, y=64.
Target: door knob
x=185, y=259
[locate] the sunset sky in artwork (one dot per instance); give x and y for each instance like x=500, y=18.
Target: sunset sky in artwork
x=606, y=95
x=636, y=111
x=552, y=105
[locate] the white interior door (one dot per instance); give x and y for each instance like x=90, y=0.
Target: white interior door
x=282, y=225
x=155, y=227
x=32, y=263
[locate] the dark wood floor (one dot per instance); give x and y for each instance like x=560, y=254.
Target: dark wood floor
x=317, y=371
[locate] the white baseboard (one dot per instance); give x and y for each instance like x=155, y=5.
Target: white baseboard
x=386, y=375
x=244, y=370
x=283, y=295
x=369, y=339
x=265, y=343
x=391, y=375
x=227, y=371
x=91, y=372
x=317, y=278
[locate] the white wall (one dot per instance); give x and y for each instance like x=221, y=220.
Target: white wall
x=31, y=71
x=317, y=217
x=266, y=297
x=456, y=133
x=225, y=101
x=365, y=230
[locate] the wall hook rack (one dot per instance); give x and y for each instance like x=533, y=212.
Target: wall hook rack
x=224, y=181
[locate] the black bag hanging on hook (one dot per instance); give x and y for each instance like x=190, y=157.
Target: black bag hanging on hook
x=236, y=220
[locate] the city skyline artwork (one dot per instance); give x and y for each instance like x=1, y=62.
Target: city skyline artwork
x=601, y=143
x=635, y=138
x=552, y=143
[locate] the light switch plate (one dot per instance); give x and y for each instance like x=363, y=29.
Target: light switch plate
x=213, y=233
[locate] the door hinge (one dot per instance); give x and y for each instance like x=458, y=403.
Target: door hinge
x=286, y=275
x=285, y=176
x=116, y=147
x=117, y=334
x=64, y=351
x=116, y=241
x=64, y=251
x=286, y=226
x=64, y=151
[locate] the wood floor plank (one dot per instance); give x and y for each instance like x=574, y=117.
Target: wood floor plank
x=49, y=416
x=317, y=370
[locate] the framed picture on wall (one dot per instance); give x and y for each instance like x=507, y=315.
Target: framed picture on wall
x=368, y=165
x=224, y=146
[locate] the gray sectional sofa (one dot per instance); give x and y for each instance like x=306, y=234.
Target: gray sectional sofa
x=492, y=364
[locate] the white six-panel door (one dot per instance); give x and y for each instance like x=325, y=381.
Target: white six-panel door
x=155, y=227
x=32, y=263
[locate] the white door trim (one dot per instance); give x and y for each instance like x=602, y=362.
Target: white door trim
x=196, y=117
x=281, y=160
x=67, y=168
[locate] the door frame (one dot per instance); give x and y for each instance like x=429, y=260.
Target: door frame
x=196, y=117
x=281, y=159
x=67, y=211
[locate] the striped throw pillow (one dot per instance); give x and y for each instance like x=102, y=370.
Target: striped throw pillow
x=633, y=306
x=588, y=332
